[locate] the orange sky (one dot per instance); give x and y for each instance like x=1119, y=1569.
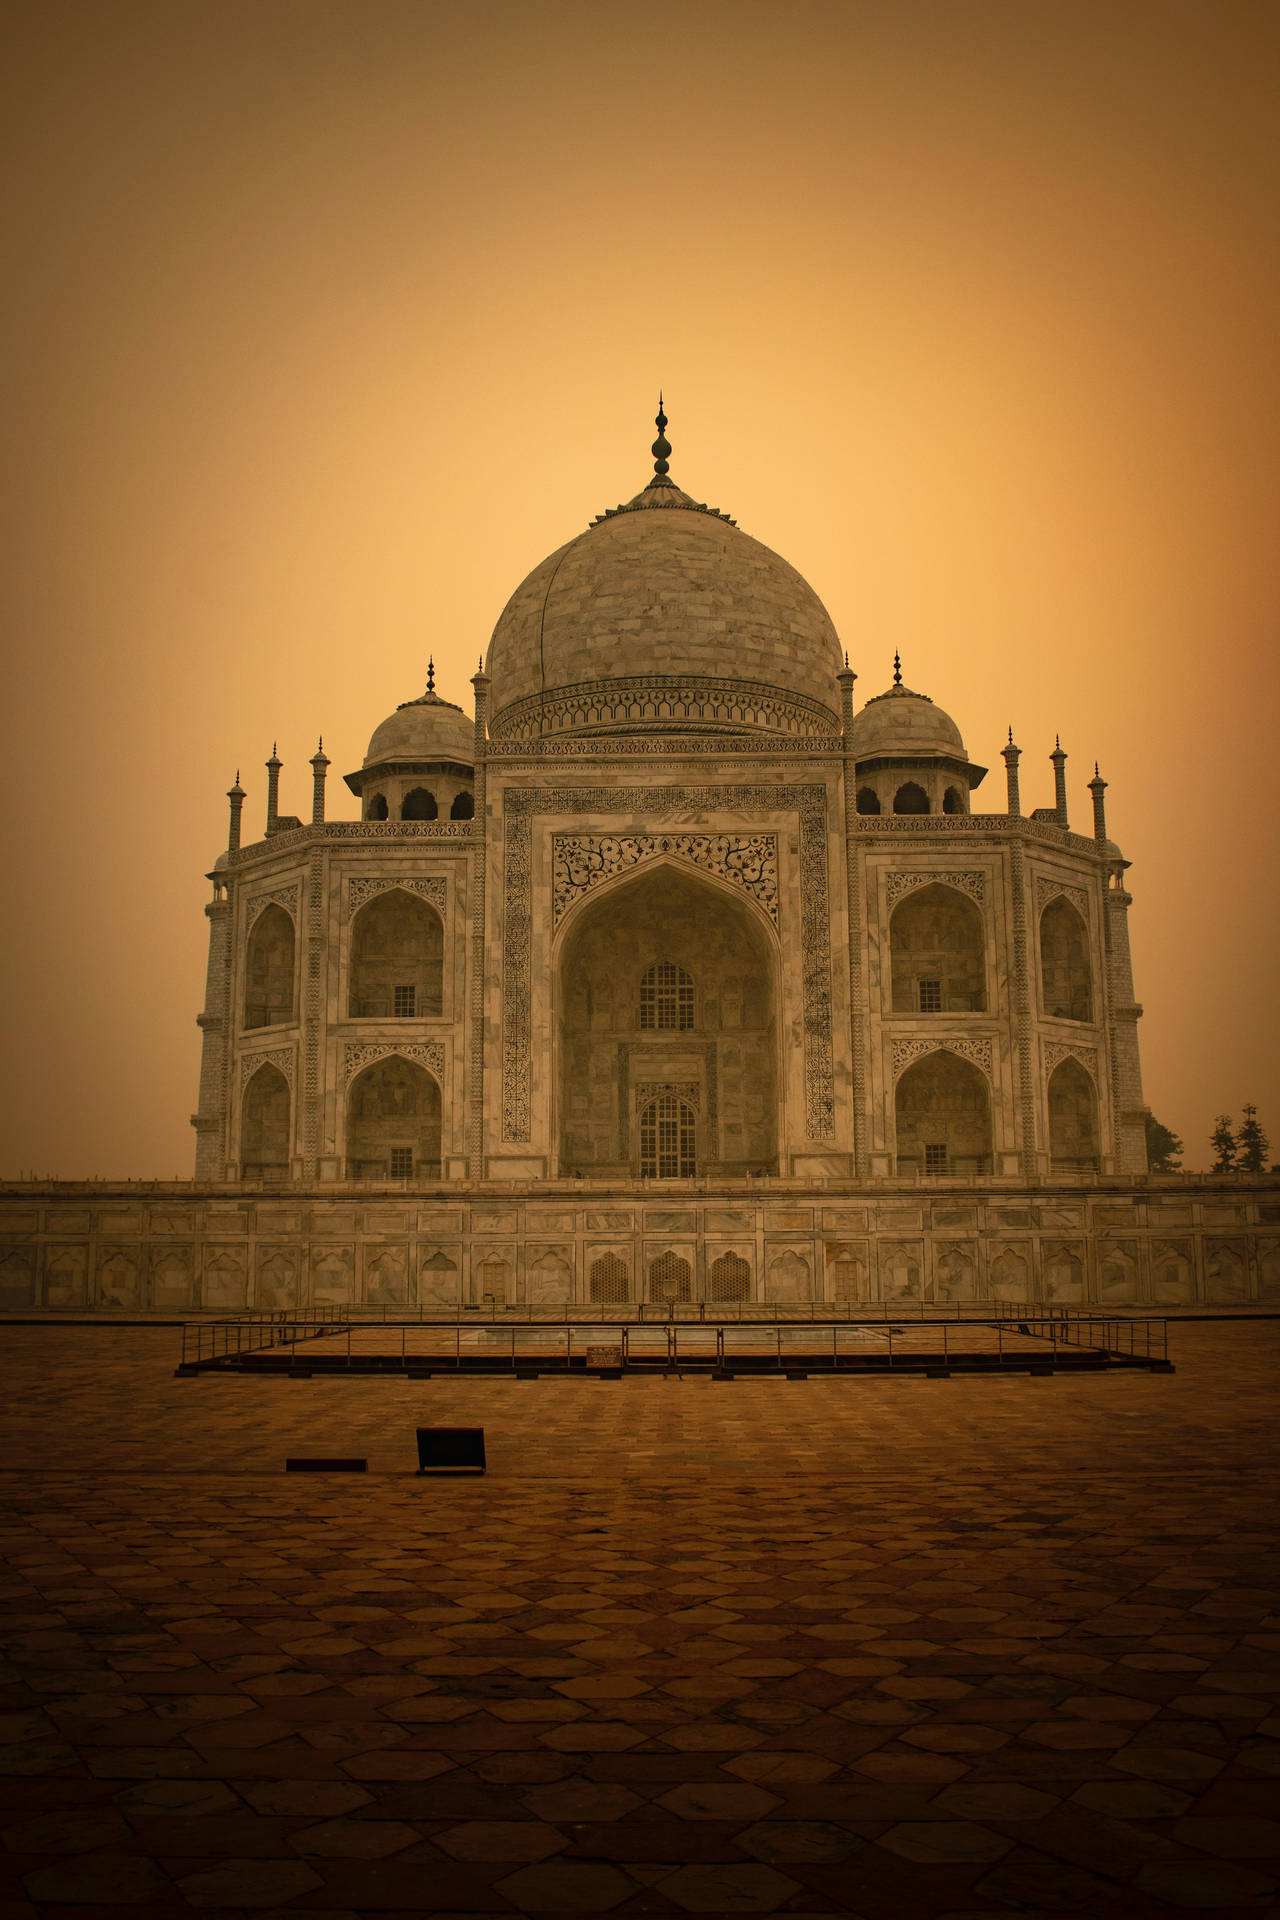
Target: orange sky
x=327, y=319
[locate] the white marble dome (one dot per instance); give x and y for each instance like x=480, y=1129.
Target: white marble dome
x=904, y=722
x=424, y=729
x=664, y=616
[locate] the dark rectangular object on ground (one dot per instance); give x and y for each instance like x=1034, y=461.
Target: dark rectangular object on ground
x=450, y=1449
x=325, y=1465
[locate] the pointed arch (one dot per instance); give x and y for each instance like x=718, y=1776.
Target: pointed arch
x=265, y=1125
x=937, y=951
x=942, y=1111
x=1066, y=976
x=397, y=958
x=269, y=969
x=1073, y=1118
x=615, y=1051
x=911, y=798
x=393, y=1121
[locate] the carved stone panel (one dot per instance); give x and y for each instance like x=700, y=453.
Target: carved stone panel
x=118, y=1280
x=1063, y=1269
x=66, y=1271
x=280, y=1057
x=424, y=1053
x=172, y=1272
x=333, y=1276
x=901, y=1270
x=386, y=1275
x=580, y=862
x=1048, y=889
x=439, y=1277
x=276, y=1278
x=1226, y=1272
x=224, y=1281
x=286, y=897
x=955, y=1272
x=17, y=1276
x=905, y=1052
x=972, y=881
x=1173, y=1279
x=361, y=891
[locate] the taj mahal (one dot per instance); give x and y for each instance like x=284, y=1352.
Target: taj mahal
x=671, y=971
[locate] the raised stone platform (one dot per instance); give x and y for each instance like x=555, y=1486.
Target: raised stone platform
x=1167, y=1243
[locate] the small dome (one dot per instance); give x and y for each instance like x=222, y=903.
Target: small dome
x=664, y=614
x=904, y=722
x=427, y=728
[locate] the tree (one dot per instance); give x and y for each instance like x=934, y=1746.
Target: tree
x=1164, y=1149
x=1226, y=1148
x=1251, y=1143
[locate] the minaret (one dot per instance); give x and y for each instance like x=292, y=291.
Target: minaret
x=273, y=790
x=1012, y=755
x=1059, y=760
x=475, y=1116
x=1098, y=788
x=319, y=765
x=235, y=795
x=855, y=891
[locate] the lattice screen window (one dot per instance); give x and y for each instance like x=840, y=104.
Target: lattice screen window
x=670, y=1278
x=935, y=1158
x=402, y=1158
x=667, y=1149
x=404, y=1003
x=610, y=1281
x=729, y=1279
x=666, y=997
x=931, y=996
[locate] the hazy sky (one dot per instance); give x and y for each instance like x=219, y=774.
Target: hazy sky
x=327, y=319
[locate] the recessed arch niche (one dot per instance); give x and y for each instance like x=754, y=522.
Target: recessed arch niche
x=393, y=1122
x=264, y=1125
x=1066, y=977
x=942, y=1110
x=269, y=966
x=717, y=1060
x=1073, y=1118
x=397, y=958
x=937, y=947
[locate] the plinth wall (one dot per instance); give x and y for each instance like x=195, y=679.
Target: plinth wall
x=203, y=1247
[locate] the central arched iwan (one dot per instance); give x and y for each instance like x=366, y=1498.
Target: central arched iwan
x=667, y=990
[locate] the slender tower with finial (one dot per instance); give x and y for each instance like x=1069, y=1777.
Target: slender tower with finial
x=1011, y=755
x=273, y=789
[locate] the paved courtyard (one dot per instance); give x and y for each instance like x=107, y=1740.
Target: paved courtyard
x=884, y=1647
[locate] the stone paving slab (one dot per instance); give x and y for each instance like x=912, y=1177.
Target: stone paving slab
x=948, y=1648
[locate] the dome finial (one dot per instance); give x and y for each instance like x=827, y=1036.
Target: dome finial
x=897, y=669
x=661, y=447
x=431, y=674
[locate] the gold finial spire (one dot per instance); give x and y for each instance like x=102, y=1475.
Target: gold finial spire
x=431, y=673
x=661, y=447
x=897, y=669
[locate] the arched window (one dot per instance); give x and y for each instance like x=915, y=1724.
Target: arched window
x=942, y=1107
x=729, y=1279
x=464, y=807
x=670, y=1278
x=868, y=800
x=667, y=1150
x=418, y=805
x=377, y=808
x=1065, y=977
x=953, y=801
x=666, y=997
x=1073, y=1119
x=268, y=983
x=264, y=1126
x=911, y=798
x=609, y=1281
x=937, y=949
x=393, y=1122
x=397, y=958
